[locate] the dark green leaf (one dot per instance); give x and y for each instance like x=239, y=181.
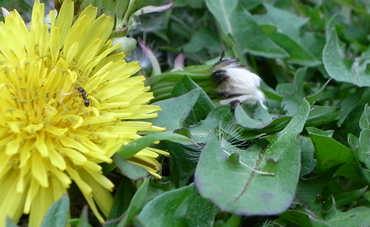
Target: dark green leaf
x=121, y=202
x=329, y=152
x=136, y=204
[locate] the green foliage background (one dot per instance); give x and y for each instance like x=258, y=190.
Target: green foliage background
x=303, y=162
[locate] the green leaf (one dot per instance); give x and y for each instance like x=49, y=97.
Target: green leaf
x=204, y=38
x=121, y=201
x=358, y=216
x=182, y=160
x=137, y=145
x=218, y=117
x=308, y=163
x=84, y=218
x=169, y=209
x=303, y=219
x=287, y=23
x=57, y=214
x=132, y=171
x=320, y=115
x=362, y=154
x=10, y=223
x=239, y=24
x=308, y=189
x=337, y=65
x=203, y=105
x=329, y=152
x=297, y=53
x=263, y=182
x=262, y=121
x=202, y=212
x=365, y=118
x=348, y=197
x=294, y=96
x=176, y=110
x=136, y=204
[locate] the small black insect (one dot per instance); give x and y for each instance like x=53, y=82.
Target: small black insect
x=84, y=96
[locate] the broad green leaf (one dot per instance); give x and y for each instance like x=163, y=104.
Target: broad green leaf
x=57, y=214
x=202, y=212
x=262, y=182
x=337, y=65
x=136, y=204
x=218, y=117
x=329, y=152
x=169, y=209
x=239, y=24
x=203, y=105
x=358, y=216
x=176, y=110
x=137, y=145
x=132, y=171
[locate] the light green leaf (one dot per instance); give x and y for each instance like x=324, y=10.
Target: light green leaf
x=264, y=180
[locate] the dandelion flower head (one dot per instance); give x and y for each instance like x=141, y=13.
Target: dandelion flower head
x=68, y=104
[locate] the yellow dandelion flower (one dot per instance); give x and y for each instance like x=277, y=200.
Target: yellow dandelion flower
x=68, y=104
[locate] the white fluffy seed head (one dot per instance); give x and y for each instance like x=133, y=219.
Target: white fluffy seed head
x=241, y=85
